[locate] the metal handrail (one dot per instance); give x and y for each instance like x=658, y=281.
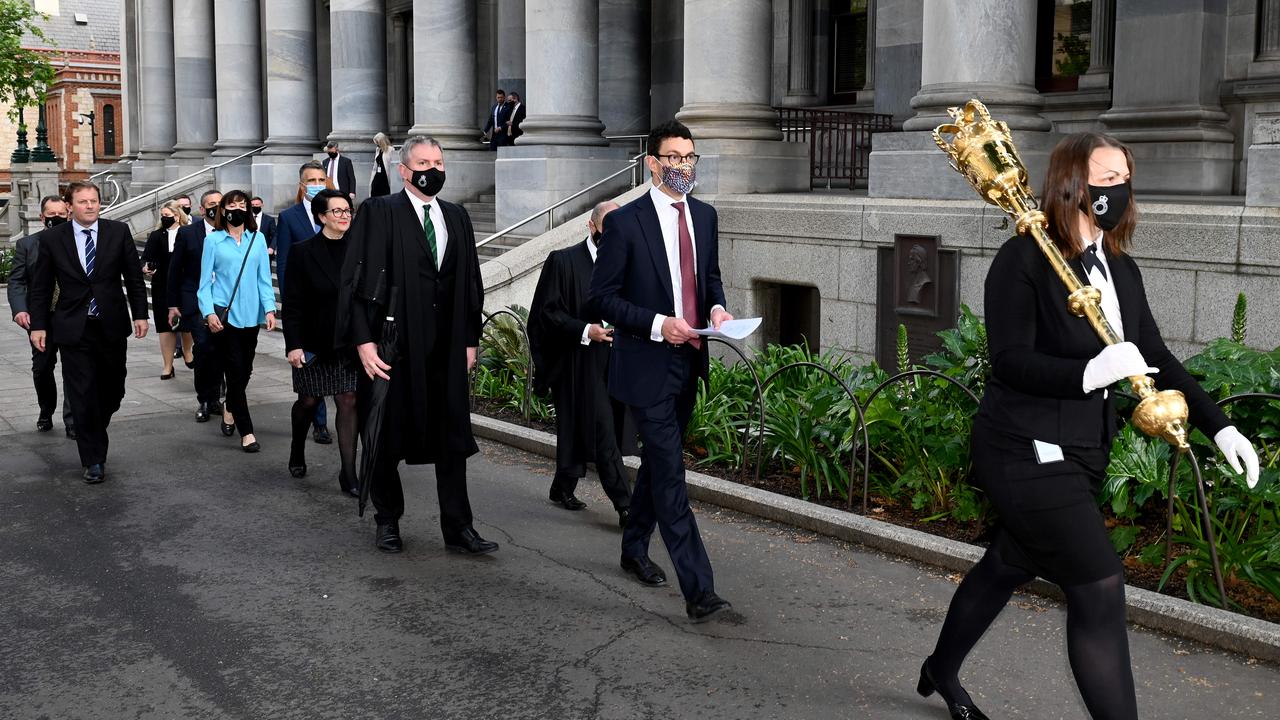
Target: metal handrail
x=155, y=194
x=550, y=210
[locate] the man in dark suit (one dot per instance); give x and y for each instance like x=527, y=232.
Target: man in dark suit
x=571, y=357
x=424, y=249
x=657, y=277
x=53, y=212
x=184, y=280
x=296, y=224
x=495, y=127
x=516, y=119
x=342, y=174
x=266, y=223
x=89, y=259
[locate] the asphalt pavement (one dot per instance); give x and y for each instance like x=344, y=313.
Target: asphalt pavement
x=201, y=582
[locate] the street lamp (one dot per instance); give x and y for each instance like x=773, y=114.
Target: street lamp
x=93, y=134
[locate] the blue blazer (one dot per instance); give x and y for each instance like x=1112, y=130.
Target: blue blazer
x=292, y=226
x=632, y=282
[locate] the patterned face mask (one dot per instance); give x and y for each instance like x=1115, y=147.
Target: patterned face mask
x=681, y=177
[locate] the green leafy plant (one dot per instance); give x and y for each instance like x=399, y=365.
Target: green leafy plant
x=25, y=74
x=6, y=263
x=1238, y=320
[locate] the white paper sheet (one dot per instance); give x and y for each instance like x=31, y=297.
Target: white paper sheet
x=732, y=329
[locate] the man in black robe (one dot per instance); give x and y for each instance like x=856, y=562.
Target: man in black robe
x=424, y=247
x=571, y=356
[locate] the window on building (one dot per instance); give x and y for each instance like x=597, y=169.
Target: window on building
x=108, y=130
x=1063, y=42
x=848, y=48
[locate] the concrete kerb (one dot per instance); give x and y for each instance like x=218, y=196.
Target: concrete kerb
x=1211, y=626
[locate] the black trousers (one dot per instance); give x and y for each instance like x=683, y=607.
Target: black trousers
x=235, y=349
x=205, y=357
x=93, y=371
x=660, y=498
x=43, y=365
x=387, y=494
x=605, y=454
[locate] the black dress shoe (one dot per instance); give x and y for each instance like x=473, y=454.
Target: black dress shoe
x=202, y=413
x=95, y=474
x=927, y=687
x=624, y=515
x=228, y=429
x=71, y=432
x=388, y=539
x=215, y=407
x=706, y=605
x=299, y=470
x=567, y=500
x=321, y=435
x=252, y=447
x=169, y=375
x=469, y=542
x=44, y=424
x=190, y=365
x=644, y=570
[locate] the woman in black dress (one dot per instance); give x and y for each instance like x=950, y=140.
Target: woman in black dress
x=155, y=265
x=1042, y=436
x=310, y=306
x=379, y=182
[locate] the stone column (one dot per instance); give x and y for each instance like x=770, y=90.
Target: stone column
x=511, y=48
x=726, y=100
x=444, y=34
x=800, y=70
x=1164, y=99
x=359, y=64
x=898, y=44
x=158, y=130
x=1268, y=30
x=292, y=133
x=983, y=49
x=193, y=58
x=1102, y=36
x=239, y=88
x=666, y=64
x=563, y=149
x=1262, y=185
x=399, y=73
x=624, y=67
x=129, y=81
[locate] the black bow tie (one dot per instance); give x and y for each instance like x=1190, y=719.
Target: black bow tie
x=1090, y=260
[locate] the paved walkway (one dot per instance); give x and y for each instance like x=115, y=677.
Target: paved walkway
x=200, y=582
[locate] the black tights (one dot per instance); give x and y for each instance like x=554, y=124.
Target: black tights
x=302, y=415
x=1097, y=643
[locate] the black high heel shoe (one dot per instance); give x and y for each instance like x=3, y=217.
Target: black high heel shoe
x=228, y=429
x=927, y=687
x=348, y=486
x=298, y=470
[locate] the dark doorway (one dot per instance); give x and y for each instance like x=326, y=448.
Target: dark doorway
x=848, y=50
x=792, y=314
x=108, y=130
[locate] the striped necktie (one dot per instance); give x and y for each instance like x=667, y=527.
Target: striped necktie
x=90, y=256
x=430, y=229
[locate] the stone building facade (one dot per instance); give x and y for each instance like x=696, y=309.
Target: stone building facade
x=1193, y=86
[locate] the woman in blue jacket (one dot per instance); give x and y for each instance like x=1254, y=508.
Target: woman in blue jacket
x=235, y=297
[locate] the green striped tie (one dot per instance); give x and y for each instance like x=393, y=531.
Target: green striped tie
x=430, y=228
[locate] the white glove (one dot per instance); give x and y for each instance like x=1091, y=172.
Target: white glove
x=1235, y=447
x=1115, y=363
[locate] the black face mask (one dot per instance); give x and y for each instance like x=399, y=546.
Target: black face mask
x=332, y=154
x=186, y=209
x=167, y=221
x=211, y=213
x=54, y=221
x=256, y=211
x=235, y=217
x=1108, y=204
x=428, y=181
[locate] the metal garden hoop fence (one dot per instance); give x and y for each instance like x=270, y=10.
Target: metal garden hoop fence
x=526, y=400
x=759, y=398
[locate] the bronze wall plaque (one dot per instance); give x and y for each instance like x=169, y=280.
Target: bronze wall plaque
x=917, y=287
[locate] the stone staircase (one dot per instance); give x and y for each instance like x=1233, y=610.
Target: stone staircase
x=483, y=211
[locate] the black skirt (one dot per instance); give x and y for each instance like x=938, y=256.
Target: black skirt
x=1049, y=520
x=323, y=378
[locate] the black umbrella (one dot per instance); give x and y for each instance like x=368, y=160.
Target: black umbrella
x=371, y=434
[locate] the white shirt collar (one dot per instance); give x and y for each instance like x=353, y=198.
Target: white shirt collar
x=592, y=248
x=663, y=200
x=81, y=228
x=209, y=229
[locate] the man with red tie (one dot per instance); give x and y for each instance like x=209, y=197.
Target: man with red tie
x=656, y=279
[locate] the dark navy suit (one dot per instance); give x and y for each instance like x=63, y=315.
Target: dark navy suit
x=183, y=281
x=655, y=379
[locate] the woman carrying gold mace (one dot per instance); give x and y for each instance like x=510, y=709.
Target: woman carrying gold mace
x=1042, y=436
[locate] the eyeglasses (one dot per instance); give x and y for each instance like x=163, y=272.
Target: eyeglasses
x=674, y=159
x=340, y=212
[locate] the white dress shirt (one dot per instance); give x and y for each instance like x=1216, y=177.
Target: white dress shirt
x=173, y=235
x=437, y=220
x=591, y=248
x=80, y=242
x=209, y=229
x=1110, y=301
x=668, y=216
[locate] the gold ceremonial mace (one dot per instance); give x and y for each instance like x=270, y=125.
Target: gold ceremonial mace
x=982, y=150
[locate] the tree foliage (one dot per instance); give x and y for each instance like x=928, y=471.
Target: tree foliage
x=24, y=73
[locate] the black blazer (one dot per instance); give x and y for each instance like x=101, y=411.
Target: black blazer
x=632, y=283
x=25, y=252
x=1039, y=351
x=184, y=267
x=156, y=252
x=517, y=119
x=311, y=299
x=116, y=263
x=346, y=174
x=267, y=225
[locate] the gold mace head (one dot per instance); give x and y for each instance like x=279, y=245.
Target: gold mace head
x=1162, y=413
x=982, y=150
